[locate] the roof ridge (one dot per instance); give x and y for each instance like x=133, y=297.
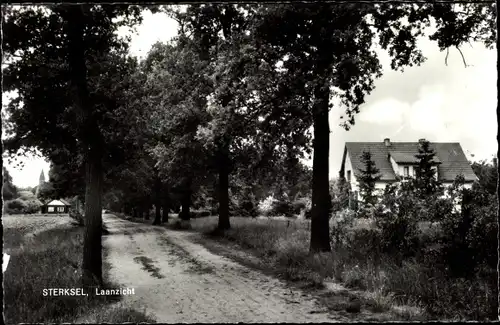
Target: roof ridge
x=451, y=154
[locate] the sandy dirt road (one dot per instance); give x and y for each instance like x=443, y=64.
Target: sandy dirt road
x=178, y=280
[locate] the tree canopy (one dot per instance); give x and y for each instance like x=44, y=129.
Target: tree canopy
x=241, y=94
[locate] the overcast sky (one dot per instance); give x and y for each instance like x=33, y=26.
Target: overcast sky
x=440, y=103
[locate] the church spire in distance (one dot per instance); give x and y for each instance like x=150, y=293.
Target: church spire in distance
x=42, y=178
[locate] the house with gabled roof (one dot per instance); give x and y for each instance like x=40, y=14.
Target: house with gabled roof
x=55, y=206
x=395, y=159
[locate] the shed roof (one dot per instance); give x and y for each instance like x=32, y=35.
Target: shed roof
x=450, y=156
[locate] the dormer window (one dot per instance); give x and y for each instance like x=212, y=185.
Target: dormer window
x=348, y=175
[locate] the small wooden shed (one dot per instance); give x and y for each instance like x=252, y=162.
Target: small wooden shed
x=56, y=206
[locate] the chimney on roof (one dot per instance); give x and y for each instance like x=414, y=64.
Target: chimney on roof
x=387, y=142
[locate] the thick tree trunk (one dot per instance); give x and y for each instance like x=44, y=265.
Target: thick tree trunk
x=166, y=205
x=223, y=164
x=186, y=205
x=165, y=210
x=157, y=220
x=89, y=134
x=92, y=257
x=157, y=190
x=320, y=237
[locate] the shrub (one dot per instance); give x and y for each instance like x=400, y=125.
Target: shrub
x=246, y=206
x=340, y=225
x=469, y=237
x=305, y=211
x=265, y=207
x=282, y=207
x=200, y=214
x=397, y=219
x=77, y=217
x=300, y=204
x=32, y=206
x=16, y=206
x=339, y=191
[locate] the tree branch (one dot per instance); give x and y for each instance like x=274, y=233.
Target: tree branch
x=463, y=58
x=446, y=58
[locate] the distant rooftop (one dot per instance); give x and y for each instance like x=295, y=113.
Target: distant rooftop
x=450, y=158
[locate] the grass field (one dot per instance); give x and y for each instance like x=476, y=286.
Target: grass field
x=52, y=259
x=426, y=292
x=32, y=223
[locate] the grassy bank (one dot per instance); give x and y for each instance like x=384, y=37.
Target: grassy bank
x=358, y=265
x=52, y=259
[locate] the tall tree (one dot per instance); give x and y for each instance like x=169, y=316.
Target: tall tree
x=9, y=190
x=369, y=176
x=219, y=32
x=328, y=54
x=426, y=178
x=177, y=91
x=59, y=50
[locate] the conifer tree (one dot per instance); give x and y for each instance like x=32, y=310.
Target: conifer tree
x=426, y=181
x=369, y=176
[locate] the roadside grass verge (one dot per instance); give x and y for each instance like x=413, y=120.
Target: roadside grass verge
x=52, y=259
x=411, y=289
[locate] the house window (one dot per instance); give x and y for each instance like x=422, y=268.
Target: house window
x=406, y=171
x=349, y=175
x=50, y=209
x=60, y=209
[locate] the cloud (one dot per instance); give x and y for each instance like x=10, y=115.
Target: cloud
x=426, y=113
x=154, y=28
x=385, y=111
x=447, y=103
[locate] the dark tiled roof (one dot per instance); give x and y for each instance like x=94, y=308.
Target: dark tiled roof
x=407, y=157
x=451, y=156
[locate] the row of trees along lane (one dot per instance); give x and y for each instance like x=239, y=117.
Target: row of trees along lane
x=239, y=81
x=53, y=52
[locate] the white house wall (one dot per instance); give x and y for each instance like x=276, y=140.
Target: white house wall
x=348, y=167
x=400, y=169
x=380, y=186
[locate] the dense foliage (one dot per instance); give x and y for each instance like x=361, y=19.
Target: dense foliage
x=218, y=118
x=447, y=242
x=9, y=190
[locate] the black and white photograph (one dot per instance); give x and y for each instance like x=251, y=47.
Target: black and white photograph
x=247, y=162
